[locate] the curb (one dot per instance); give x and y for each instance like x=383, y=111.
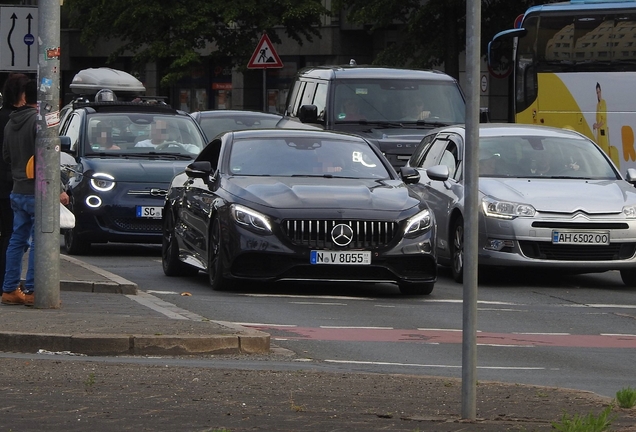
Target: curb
x=113, y=285
x=111, y=345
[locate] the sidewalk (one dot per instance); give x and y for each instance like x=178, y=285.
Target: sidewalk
x=105, y=314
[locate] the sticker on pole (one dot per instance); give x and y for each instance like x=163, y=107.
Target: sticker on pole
x=265, y=55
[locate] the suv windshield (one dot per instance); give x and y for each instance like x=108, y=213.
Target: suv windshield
x=393, y=100
x=141, y=133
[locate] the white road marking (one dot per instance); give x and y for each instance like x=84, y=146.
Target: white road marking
x=158, y=305
x=162, y=292
x=168, y=309
x=539, y=333
x=432, y=365
x=618, y=334
x=501, y=310
x=599, y=305
x=506, y=346
x=246, y=324
x=309, y=296
x=318, y=303
x=478, y=302
x=356, y=327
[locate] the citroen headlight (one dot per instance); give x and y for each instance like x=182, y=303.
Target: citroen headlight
x=505, y=209
x=250, y=219
x=630, y=212
x=418, y=224
x=102, y=182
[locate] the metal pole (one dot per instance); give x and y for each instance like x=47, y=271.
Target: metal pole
x=469, y=333
x=264, y=89
x=47, y=159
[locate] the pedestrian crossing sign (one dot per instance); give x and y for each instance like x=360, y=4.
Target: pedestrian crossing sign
x=265, y=55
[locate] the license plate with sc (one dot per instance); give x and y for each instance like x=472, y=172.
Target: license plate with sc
x=149, y=212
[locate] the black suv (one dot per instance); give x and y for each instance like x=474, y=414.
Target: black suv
x=393, y=108
x=123, y=156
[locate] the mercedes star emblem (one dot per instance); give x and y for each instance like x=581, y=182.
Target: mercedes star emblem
x=342, y=234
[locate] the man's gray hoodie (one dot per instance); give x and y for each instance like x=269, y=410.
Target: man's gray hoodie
x=19, y=146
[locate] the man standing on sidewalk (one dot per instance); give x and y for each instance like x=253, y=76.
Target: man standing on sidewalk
x=19, y=147
x=13, y=85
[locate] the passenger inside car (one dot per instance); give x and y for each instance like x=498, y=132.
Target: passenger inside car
x=102, y=138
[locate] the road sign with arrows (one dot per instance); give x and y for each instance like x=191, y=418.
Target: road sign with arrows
x=18, y=39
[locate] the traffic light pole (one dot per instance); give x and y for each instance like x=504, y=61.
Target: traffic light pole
x=47, y=159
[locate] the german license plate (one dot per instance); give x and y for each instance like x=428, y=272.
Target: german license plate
x=340, y=257
x=581, y=237
x=149, y=212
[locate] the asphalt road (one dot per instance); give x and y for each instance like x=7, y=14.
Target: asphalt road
x=533, y=328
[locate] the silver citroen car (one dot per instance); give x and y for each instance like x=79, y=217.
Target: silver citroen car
x=548, y=198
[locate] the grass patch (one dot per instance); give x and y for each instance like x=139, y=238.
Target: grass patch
x=626, y=397
x=588, y=423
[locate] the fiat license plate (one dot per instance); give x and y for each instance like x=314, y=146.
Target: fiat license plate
x=340, y=257
x=581, y=237
x=149, y=212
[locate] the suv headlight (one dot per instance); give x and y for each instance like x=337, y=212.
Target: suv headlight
x=418, y=224
x=102, y=182
x=505, y=209
x=250, y=219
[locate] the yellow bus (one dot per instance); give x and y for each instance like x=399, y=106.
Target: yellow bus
x=573, y=65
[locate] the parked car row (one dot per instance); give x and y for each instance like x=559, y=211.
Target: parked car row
x=243, y=196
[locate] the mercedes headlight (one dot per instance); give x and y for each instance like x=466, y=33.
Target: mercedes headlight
x=418, y=224
x=102, y=182
x=506, y=209
x=250, y=219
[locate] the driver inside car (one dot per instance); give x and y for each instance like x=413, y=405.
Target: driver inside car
x=158, y=135
x=160, y=140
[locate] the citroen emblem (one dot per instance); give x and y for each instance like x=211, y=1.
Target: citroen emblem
x=342, y=234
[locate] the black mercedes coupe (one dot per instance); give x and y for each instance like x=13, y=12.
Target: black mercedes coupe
x=301, y=205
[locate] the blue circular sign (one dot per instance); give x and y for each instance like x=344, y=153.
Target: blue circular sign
x=29, y=39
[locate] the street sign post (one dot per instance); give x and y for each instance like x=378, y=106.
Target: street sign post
x=265, y=57
x=18, y=36
x=47, y=160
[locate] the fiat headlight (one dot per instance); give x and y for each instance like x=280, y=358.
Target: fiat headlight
x=250, y=219
x=102, y=182
x=506, y=209
x=418, y=224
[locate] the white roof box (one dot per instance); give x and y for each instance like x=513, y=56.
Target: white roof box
x=90, y=81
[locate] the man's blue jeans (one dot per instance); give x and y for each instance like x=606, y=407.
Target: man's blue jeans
x=23, y=207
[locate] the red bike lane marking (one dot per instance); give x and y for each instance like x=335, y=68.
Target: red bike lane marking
x=448, y=337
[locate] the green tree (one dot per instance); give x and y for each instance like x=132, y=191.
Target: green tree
x=177, y=30
x=432, y=32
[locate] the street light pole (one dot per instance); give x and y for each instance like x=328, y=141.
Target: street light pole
x=469, y=322
x=47, y=159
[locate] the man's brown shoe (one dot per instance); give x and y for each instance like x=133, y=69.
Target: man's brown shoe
x=29, y=298
x=15, y=297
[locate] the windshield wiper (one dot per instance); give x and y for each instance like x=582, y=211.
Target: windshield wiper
x=432, y=123
x=383, y=123
x=169, y=155
x=313, y=175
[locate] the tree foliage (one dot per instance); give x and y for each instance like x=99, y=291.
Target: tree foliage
x=432, y=32
x=178, y=30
